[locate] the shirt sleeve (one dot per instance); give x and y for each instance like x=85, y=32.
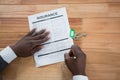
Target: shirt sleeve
x=8, y=54
x=80, y=77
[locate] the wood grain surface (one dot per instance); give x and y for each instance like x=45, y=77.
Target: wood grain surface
x=100, y=19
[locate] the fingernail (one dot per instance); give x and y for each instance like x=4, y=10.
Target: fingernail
x=48, y=32
x=41, y=46
x=48, y=37
x=44, y=29
x=34, y=29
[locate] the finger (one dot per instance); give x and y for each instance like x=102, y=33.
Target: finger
x=81, y=50
x=72, y=56
x=68, y=60
x=76, y=50
x=31, y=32
x=37, y=49
x=67, y=57
x=40, y=32
x=71, y=53
x=41, y=36
x=39, y=42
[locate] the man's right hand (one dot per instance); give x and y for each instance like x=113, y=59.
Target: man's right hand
x=76, y=65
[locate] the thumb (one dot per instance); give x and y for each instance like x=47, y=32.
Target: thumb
x=37, y=49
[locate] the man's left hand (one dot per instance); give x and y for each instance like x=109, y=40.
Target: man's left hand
x=30, y=43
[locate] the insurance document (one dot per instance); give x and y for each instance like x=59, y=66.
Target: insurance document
x=56, y=22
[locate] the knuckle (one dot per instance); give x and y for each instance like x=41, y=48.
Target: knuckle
x=84, y=55
x=31, y=42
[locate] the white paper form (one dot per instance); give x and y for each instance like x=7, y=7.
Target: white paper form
x=55, y=21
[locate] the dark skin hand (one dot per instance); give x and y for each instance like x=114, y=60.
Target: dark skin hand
x=30, y=43
x=76, y=66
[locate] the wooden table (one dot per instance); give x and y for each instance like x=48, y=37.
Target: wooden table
x=100, y=19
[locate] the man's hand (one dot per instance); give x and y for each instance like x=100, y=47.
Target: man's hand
x=30, y=43
x=76, y=61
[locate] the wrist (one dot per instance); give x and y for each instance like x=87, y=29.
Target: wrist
x=15, y=49
x=79, y=73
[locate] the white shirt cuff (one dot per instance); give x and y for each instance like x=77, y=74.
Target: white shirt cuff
x=8, y=54
x=80, y=77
